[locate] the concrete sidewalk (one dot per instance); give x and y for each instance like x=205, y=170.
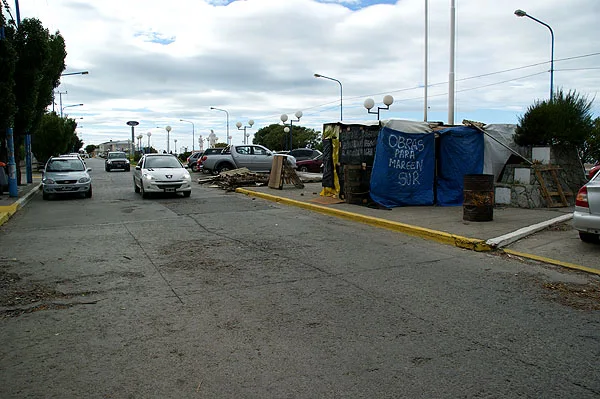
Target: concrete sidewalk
x=441, y=224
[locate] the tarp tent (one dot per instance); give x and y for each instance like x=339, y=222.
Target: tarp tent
x=404, y=165
x=461, y=152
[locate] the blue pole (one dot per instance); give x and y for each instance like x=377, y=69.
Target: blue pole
x=28, y=158
x=18, y=13
x=12, y=167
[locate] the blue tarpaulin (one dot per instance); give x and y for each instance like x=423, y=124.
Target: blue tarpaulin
x=403, y=169
x=460, y=153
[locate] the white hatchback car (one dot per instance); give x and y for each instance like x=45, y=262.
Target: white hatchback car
x=586, y=217
x=161, y=173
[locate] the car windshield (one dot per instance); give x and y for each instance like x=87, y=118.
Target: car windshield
x=65, y=165
x=113, y=155
x=161, y=162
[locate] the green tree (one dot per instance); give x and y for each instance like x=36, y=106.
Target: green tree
x=50, y=137
x=90, y=148
x=8, y=62
x=274, y=138
x=220, y=145
x=566, y=120
x=590, y=150
x=40, y=61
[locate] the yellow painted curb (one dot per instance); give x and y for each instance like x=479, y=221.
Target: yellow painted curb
x=553, y=261
x=10, y=209
x=4, y=216
x=439, y=236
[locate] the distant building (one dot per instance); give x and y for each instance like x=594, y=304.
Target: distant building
x=116, y=145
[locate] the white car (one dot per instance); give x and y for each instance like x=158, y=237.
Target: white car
x=161, y=173
x=66, y=175
x=586, y=217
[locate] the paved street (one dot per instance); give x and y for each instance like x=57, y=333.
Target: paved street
x=223, y=295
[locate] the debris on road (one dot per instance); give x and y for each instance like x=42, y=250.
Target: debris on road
x=232, y=179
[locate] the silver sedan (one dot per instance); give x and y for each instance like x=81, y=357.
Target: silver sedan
x=161, y=173
x=586, y=218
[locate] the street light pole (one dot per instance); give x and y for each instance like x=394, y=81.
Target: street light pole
x=219, y=109
x=74, y=73
x=168, y=129
x=239, y=126
x=341, y=91
x=289, y=130
x=67, y=106
x=521, y=13
x=193, y=135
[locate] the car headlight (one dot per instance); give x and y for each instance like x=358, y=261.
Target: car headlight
x=85, y=180
x=107, y=161
x=127, y=161
x=148, y=176
x=48, y=181
x=186, y=175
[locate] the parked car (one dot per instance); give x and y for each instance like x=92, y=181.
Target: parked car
x=310, y=165
x=594, y=170
x=254, y=157
x=586, y=217
x=66, y=175
x=193, y=158
x=301, y=154
x=205, y=154
x=161, y=173
x=116, y=160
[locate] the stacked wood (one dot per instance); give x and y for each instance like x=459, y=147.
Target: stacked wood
x=282, y=172
x=235, y=178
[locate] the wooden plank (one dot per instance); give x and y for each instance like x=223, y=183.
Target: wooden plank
x=276, y=176
x=559, y=187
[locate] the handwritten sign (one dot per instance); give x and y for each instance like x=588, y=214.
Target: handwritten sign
x=403, y=169
x=358, y=144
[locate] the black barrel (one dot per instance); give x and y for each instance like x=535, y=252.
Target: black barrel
x=478, y=203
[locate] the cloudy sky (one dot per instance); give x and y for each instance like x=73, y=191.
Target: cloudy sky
x=158, y=62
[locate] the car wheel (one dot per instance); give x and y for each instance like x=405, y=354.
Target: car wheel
x=107, y=169
x=223, y=168
x=135, y=187
x=88, y=194
x=45, y=196
x=144, y=193
x=128, y=169
x=187, y=193
x=303, y=169
x=194, y=168
x=588, y=237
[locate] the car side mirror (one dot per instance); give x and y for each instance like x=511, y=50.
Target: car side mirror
x=88, y=170
x=186, y=166
x=138, y=167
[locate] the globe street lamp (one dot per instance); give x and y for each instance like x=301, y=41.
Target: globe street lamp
x=239, y=126
x=316, y=75
x=289, y=130
x=223, y=110
x=175, y=146
x=193, y=136
x=67, y=106
x=149, y=134
x=168, y=129
x=521, y=13
x=140, y=137
x=369, y=103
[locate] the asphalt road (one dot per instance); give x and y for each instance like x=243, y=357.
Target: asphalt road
x=222, y=295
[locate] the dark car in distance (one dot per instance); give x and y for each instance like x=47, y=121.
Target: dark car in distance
x=116, y=160
x=310, y=165
x=302, y=154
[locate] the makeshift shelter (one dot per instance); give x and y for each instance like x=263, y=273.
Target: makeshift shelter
x=402, y=163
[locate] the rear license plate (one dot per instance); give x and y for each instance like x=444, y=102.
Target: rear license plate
x=169, y=190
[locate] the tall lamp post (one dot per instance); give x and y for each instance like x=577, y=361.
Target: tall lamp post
x=133, y=124
x=239, y=126
x=369, y=103
x=341, y=91
x=140, y=137
x=289, y=129
x=67, y=106
x=521, y=13
x=168, y=129
x=193, y=134
x=149, y=134
x=223, y=110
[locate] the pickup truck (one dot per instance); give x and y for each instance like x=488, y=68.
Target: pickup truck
x=254, y=157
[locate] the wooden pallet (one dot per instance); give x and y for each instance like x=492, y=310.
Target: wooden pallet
x=550, y=172
x=282, y=172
